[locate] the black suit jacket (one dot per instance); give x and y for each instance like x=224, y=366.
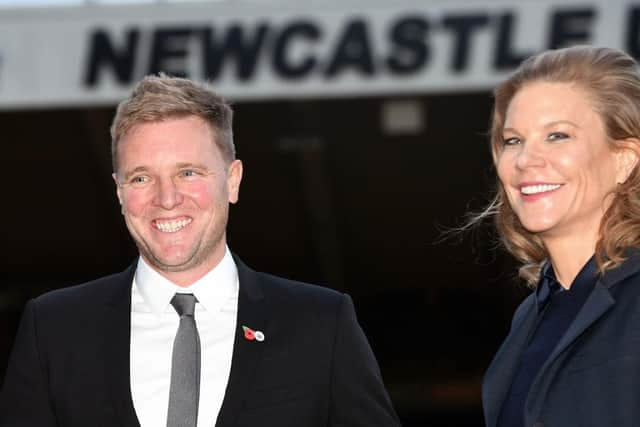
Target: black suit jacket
x=592, y=377
x=70, y=362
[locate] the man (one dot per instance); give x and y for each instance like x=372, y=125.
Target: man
x=188, y=336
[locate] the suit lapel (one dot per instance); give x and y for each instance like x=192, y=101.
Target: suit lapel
x=498, y=377
x=116, y=330
x=246, y=353
x=598, y=303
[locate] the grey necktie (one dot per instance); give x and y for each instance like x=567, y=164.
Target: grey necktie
x=185, y=366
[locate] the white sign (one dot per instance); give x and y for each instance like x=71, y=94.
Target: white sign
x=93, y=54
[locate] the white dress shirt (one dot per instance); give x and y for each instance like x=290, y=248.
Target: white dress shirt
x=154, y=324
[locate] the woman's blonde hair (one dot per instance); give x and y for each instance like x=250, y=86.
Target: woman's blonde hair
x=611, y=78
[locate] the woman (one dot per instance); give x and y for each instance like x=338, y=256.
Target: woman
x=565, y=138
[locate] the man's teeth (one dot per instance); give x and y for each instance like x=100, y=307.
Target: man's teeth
x=172, y=226
x=541, y=188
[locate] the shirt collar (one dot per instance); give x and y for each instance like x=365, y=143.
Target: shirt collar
x=212, y=290
x=549, y=285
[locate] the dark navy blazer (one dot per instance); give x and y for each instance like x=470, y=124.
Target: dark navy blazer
x=70, y=362
x=592, y=377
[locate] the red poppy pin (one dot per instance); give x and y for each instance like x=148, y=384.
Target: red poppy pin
x=251, y=335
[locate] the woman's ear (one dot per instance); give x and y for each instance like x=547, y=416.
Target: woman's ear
x=627, y=156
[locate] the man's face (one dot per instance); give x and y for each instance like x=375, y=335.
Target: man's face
x=175, y=189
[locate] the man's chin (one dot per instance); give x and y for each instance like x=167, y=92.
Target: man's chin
x=178, y=259
x=173, y=264
x=176, y=266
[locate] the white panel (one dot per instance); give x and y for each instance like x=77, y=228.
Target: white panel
x=44, y=52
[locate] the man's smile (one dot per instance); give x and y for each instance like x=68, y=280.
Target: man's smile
x=171, y=225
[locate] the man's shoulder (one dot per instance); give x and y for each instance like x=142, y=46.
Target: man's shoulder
x=100, y=290
x=282, y=287
x=294, y=295
x=314, y=310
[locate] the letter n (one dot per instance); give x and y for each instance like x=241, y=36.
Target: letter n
x=103, y=55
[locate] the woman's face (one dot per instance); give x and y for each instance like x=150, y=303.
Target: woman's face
x=555, y=163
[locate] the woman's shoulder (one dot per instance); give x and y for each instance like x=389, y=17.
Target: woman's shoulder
x=523, y=309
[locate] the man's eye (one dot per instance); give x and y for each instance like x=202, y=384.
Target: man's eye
x=189, y=173
x=511, y=141
x=139, y=180
x=555, y=136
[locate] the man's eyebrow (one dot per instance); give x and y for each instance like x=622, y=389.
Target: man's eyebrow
x=201, y=167
x=192, y=165
x=182, y=165
x=134, y=171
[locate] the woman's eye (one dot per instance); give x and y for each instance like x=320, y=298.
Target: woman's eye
x=511, y=141
x=555, y=136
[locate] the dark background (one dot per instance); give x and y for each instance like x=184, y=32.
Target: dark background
x=328, y=197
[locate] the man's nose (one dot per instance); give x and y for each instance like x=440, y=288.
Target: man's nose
x=167, y=195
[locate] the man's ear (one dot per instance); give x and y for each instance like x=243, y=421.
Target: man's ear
x=627, y=157
x=234, y=178
x=115, y=180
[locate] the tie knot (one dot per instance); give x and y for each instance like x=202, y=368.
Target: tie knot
x=184, y=304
